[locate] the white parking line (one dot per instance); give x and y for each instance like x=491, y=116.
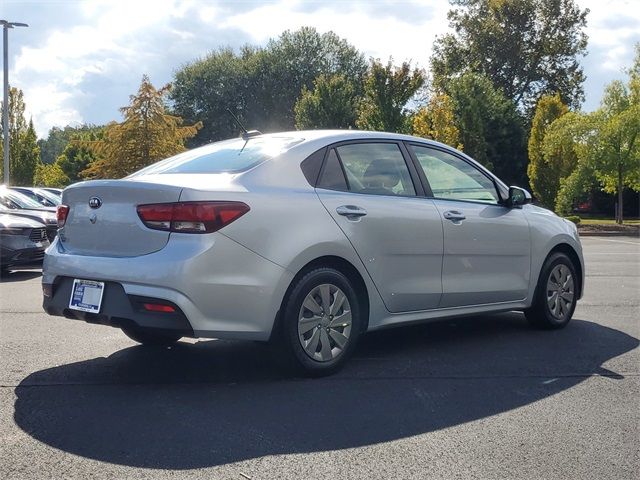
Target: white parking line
x=618, y=241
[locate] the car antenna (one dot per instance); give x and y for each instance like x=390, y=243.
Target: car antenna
x=246, y=134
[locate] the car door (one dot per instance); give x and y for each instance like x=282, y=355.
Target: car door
x=368, y=189
x=486, y=244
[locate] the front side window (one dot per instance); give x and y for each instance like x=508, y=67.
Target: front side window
x=373, y=168
x=452, y=178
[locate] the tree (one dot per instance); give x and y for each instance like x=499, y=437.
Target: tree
x=331, y=104
x=25, y=157
x=525, y=47
x=146, y=135
x=57, y=140
x=50, y=175
x=294, y=60
x=79, y=153
x=437, y=121
x=261, y=85
x=387, y=90
x=545, y=171
x=490, y=127
x=24, y=153
x=608, y=144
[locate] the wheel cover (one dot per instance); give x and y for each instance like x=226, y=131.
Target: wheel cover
x=560, y=292
x=324, y=322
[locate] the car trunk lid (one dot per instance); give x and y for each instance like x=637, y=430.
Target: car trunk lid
x=103, y=221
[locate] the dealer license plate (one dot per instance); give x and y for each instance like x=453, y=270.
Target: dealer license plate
x=86, y=295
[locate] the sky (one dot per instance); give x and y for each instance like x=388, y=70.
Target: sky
x=79, y=60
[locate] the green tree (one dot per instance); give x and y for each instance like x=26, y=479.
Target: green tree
x=24, y=153
x=25, y=157
x=525, y=47
x=57, y=140
x=491, y=129
x=50, y=175
x=147, y=134
x=387, y=91
x=331, y=104
x=79, y=153
x=437, y=121
x=295, y=59
x=261, y=85
x=545, y=171
x=608, y=144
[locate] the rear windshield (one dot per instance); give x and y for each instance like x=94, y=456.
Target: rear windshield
x=230, y=156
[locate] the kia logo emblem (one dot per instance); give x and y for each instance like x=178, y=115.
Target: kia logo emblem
x=95, y=202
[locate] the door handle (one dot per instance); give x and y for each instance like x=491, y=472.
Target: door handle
x=454, y=215
x=352, y=212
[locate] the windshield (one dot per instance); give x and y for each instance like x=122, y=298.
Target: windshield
x=14, y=199
x=230, y=156
x=54, y=199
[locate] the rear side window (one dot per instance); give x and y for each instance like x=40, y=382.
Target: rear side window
x=376, y=169
x=230, y=156
x=332, y=176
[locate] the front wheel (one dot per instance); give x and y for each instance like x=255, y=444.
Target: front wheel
x=556, y=294
x=151, y=338
x=322, y=321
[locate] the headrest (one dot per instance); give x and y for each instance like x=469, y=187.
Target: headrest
x=381, y=173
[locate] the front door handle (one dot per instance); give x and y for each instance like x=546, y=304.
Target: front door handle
x=454, y=215
x=352, y=212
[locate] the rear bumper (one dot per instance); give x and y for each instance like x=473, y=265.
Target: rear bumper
x=119, y=309
x=222, y=289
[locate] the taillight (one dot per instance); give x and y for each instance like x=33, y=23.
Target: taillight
x=61, y=214
x=191, y=217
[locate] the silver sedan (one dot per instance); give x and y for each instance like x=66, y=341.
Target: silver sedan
x=308, y=239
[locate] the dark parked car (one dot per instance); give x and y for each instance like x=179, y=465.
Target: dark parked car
x=22, y=241
x=21, y=204
x=47, y=218
x=40, y=195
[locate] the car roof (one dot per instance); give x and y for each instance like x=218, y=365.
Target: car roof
x=331, y=136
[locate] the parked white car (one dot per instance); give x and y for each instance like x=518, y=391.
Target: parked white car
x=310, y=238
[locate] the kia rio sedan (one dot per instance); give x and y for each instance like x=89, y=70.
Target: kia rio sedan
x=307, y=239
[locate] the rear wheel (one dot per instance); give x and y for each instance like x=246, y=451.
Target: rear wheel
x=555, y=299
x=322, y=321
x=149, y=337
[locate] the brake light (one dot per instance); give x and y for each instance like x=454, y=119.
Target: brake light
x=61, y=214
x=191, y=217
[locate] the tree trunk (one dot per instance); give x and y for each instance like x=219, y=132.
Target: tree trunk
x=620, y=187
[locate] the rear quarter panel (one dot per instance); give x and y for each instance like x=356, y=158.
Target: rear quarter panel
x=287, y=223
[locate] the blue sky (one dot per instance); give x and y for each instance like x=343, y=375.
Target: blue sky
x=79, y=60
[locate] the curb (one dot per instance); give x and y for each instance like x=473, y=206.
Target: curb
x=608, y=234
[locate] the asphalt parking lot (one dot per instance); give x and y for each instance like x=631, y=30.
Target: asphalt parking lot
x=482, y=397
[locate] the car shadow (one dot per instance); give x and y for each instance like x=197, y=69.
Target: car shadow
x=217, y=402
x=19, y=275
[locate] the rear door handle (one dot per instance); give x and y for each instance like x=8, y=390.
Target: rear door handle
x=352, y=212
x=454, y=215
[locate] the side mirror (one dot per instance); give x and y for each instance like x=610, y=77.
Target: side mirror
x=518, y=197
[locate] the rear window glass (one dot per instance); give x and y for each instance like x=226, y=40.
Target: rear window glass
x=230, y=156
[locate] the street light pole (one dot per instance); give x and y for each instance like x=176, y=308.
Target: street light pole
x=5, y=106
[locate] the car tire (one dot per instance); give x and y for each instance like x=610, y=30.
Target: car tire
x=151, y=338
x=556, y=294
x=321, y=322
